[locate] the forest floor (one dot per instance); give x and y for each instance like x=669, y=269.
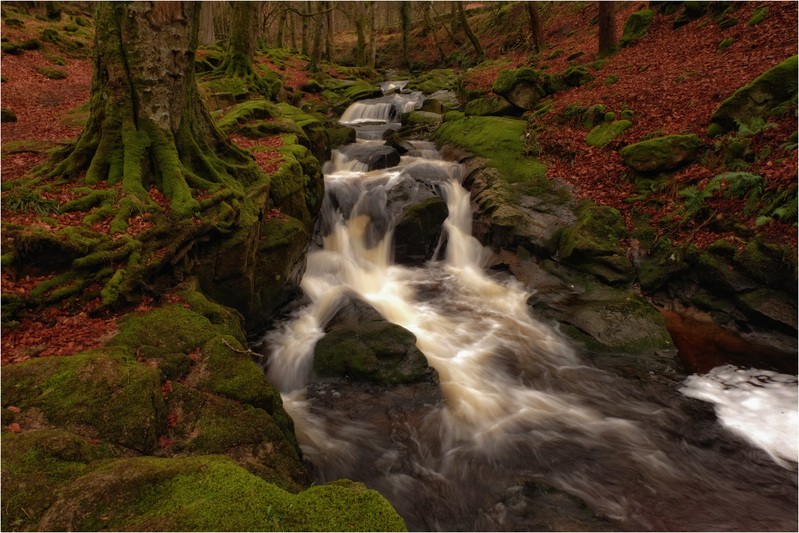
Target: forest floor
x=672, y=81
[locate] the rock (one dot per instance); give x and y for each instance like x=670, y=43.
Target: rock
x=435, y=80
x=492, y=106
x=576, y=76
x=766, y=94
x=661, y=153
x=395, y=141
x=662, y=263
x=770, y=308
x=361, y=344
x=441, y=102
x=636, y=26
x=691, y=11
x=601, y=135
x=101, y=393
x=523, y=87
x=770, y=264
x=718, y=274
x=6, y=115
x=340, y=135
x=209, y=493
x=417, y=232
x=421, y=118
x=592, y=244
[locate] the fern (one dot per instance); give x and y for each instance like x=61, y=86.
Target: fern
x=786, y=212
x=695, y=199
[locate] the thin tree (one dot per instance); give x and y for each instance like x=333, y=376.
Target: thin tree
x=372, y=35
x=405, y=25
x=607, y=28
x=478, y=49
x=535, y=25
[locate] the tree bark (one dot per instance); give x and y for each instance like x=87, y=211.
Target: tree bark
x=207, y=32
x=304, y=30
x=330, y=28
x=535, y=25
x=243, y=37
x=359, y=19
x=405, y=24
x=607, y=28
x=372, y=35
x=147, y=124
x=478, y=49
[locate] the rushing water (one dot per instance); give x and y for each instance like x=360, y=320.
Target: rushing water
x=520, y=433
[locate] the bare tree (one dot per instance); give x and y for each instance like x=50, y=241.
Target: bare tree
x=478, y=49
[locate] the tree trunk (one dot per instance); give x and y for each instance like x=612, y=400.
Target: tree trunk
x=281, y=25
x=329, y=30
x=478, y=49
x=293, y=30
x=607, y=28
x=405, y=24
x=535, y=25
x=372, y=35
x=243, y=38
x=147, y=124
x=207, y=32
x=304, y=30
x=359, y=19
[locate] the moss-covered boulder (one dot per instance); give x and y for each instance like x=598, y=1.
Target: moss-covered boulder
x=636, y=26
x=440, y=102
x=36, y=465
x=500, y=140
x=209, y=493
x=435, y=80
x=491, y=106
x=602, y=134
x=361, y=344
x=576, y=75
x=772, y=92
x=593, y=244
x=773, y=265
x=770, y=308
x=523, y=87
x=103, y=393
x=661, y=153
x=6, y=115
x=662, y=262
x=691, y=11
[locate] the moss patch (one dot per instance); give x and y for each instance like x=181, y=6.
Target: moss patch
x=498, y=139
x=601, y=135
x=661, y=153
x=636, y=26
x=101, y=393
x=210, y=493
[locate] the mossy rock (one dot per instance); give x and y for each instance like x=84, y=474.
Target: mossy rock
x=500, y=140
x=441, y=102
x=209, y=493
x=6, y=115
x=758, y=16
x=717, y=274
x=523, y=87
x=360, y=91
x=52, y=73
x=766, y=94
x=202, y=423
x=102, y=393
x=417, y=232
x=36, y=464
x=340, y=135
x=691, y=11
x=662, y=263
x=492, y=106
x=606, y=132
x=770, y=264
x=661, y=153
x=594, y=116
x=376, y=351
x=257, y=109
x=636, y=26
x=770, y=308
x=592, y=245
x=576, y=76
x=435, y=80
x=421, y=118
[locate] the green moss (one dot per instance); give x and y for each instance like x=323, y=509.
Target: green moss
x=52, y=73
x=770, y=264
x=257, y=109
x=611, y=80
x=661, y=153
x=758, y=16
x=726, y=43
x=604, y=133
x=211, y=494
x=508, y=79
x=101, y=393
x=435, y=80
x=636, y=26
x=36, y=464
x=576, y=76
x=498, y=139
x=167, y=329
x=765, y=94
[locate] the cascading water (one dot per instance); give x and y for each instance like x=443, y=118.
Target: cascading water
x=519, y=422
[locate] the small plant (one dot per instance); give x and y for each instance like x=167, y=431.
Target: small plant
x=49, y=35
x=27, y=201
x=610, y=80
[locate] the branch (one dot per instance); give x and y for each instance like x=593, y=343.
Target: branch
x=245, y=352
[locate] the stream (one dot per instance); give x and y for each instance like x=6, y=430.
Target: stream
x=519, y=431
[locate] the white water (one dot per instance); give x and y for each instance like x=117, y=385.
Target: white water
x=518, y=403
x=759, y=405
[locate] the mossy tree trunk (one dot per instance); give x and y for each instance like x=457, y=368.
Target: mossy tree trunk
x=243, y=39
x=147, y=124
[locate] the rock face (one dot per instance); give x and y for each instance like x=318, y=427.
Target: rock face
x=360, y=344
x=661, y=153
x=764, y=95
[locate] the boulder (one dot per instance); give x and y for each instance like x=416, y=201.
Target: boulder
x=769, y=93
x=770, y=308
x=435, y=80
x=636, y=26
x=601, y=135
x=661, y=153
x=576, y=76
x=360, y=344
x=491, y=106
x=417, y=233
x=523, y=87
x=441, y=102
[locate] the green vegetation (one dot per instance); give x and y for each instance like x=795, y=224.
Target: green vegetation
x=601, y=135
x=636, y=26
x=52, y=73
x=758, y=16
x=661, y=153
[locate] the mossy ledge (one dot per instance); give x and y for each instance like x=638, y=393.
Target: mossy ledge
x=170, y=426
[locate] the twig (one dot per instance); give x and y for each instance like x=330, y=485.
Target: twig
x=245, y=352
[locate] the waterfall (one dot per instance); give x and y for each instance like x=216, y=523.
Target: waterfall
x=519, y=406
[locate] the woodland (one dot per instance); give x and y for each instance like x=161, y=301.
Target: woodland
x=632, y=164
